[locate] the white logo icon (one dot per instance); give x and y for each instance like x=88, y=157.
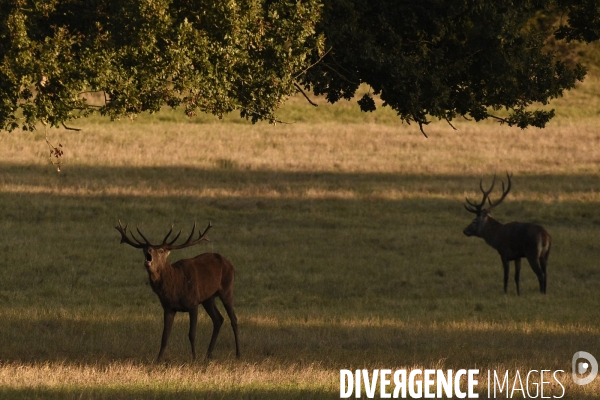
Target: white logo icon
x=583, y=367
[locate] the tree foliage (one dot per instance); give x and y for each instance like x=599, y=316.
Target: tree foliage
x=213, y=56
x=583, y=22
x=426, y=59
x=444, y=59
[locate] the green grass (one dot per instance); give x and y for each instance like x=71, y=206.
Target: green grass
x=346, y=233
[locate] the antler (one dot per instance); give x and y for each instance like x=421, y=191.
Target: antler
x=169, y=234
x=476, y=208
x=189, y=242
x=504, y=193
x=125, y=239
x=166, y=245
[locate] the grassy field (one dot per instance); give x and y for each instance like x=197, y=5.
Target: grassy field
x=346, y=233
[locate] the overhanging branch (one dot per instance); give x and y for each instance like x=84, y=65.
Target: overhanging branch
x=305, y=95
x=69, y=128
x=313, y=64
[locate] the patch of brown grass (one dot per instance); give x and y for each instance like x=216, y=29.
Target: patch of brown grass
x=564, y=147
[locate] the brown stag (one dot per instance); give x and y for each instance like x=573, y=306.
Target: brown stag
x=184, y=285
x=513, y=241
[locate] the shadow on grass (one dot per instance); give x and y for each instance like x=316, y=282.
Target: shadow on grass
x=328, y=342
x=229, y=175
x=90, y=192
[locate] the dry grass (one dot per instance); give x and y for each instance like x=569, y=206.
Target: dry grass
x=218, y=377
x=564, y=147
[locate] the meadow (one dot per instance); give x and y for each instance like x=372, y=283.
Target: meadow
x=345, y=229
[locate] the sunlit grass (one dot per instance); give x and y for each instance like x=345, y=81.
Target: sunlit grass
x=330, y=146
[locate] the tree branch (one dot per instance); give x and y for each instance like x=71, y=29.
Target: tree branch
x=305, y=96
x=271, y=120
x=69, y=128
x=339, y=73
x=450, y=123
x=55, y=152
x=90, y=91
x=502, y=120
x=345, y=69
x=421, y=128
x=313, y=64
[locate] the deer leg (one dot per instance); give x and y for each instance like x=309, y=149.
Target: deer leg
x=192, y=334
x=505, y=264
x=543, y=264
x=228, y=304
x=518, y=274
x=535, y=266
x=217, y=320
x=169, y=317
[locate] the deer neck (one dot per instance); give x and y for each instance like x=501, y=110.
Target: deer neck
x=160, y=274
x=491, y=232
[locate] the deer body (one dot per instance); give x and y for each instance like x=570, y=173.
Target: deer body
x=187, y=283
x=177, y=284
x=513, y=241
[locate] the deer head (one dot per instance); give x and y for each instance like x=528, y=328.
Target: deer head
x=482, y=214
x=156, y=254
